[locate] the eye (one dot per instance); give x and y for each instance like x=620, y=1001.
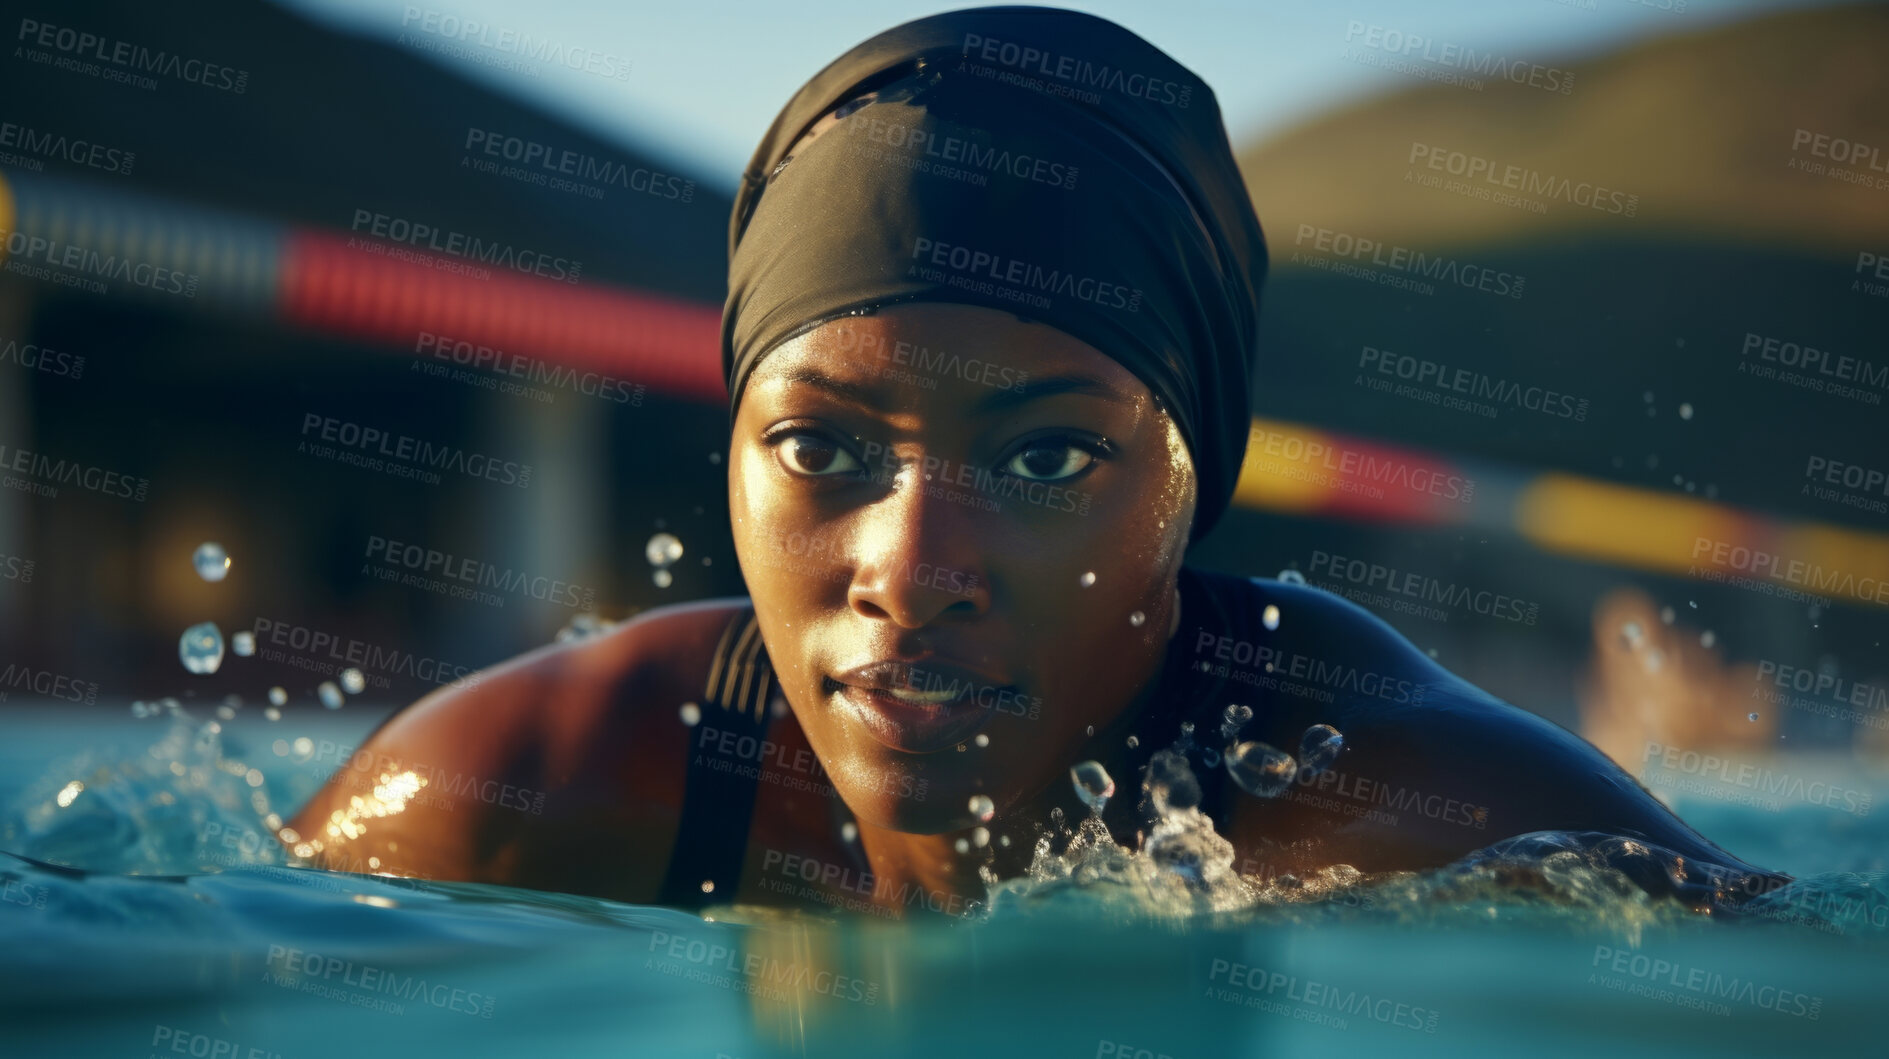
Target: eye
x=813, y=456
x=1051, y=459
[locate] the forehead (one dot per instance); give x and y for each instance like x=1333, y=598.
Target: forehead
x=941, y=349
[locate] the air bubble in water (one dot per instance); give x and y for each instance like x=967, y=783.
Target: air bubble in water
x=201, y=648
x=1137, y=618
x=1262, y=771
x=981, y=807
x=1318, y=748
x=330, y=695
x=243, y=643
x=663, y=550
x=1291, y=577
x=1086, y=579
x=352, y=681
x=691, y=714
x=279, y=696
x=1093, y=785
x=1235, y=719
x=211, y=561
x=1270, y=616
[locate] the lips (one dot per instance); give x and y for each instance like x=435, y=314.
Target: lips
x=918, y=707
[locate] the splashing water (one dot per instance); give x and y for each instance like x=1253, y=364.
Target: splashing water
x=1261, y=770
x=1291, y=577
x=1318, y=748
x=1093, y=785
x=201, y=648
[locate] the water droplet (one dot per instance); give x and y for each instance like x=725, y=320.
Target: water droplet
x=201, y=648
x=708, y=886
x=1086, y=579
x=211, y=561
x=662, y=550
x=227, y=713
x=663, y=578
x=962, y=845
x=849, y=831
x=1707, y=638
x=1233, y=720
x=1004, y=841
x=982, y=739
x=1262, y=771
x=1655, y=658
x=714, y=457
x=303, y=746
x=1685, y=411
x=982, y=807
x=1137, y=618
x=1647, y=396
x=1751, y=717
x=279, y=696
x=1318, y=748
x=352, y=681
x=1270, y=617
x=1633, y=635
x=1693, y=603
x=1666, y=615
x=1291, y=577
x=691, y=714
x=980, y=837
x=1093, y=785
x=272, y=713
x=330, y=695
x=1133, y=742
x=243, y=643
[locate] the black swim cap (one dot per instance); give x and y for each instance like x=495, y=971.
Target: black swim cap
x=1040, y=161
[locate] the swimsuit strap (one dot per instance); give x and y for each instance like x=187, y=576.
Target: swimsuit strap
x=718, y=793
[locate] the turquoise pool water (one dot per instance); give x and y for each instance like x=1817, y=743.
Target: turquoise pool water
x=187, y=936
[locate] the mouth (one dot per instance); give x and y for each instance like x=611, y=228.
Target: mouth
x=917, y=708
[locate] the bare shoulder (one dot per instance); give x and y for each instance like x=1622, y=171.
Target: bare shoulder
x=532, y=769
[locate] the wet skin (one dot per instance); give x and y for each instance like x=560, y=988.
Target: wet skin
x=852, y=557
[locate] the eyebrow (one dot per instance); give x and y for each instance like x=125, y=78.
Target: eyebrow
x=1034, y=389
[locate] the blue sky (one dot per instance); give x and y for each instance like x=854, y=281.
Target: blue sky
x=706, y=77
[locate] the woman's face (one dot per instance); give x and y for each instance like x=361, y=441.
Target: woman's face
x=954, y=524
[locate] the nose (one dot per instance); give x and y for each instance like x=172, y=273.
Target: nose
x=920, y=555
